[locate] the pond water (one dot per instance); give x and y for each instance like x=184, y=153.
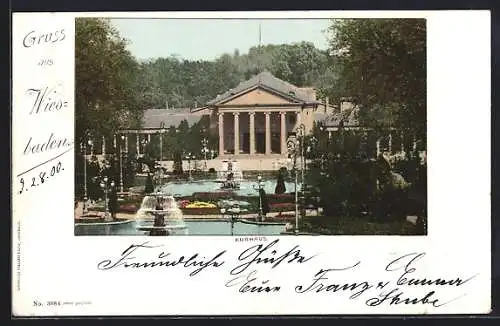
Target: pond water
x=196, y=228
x=246, y=187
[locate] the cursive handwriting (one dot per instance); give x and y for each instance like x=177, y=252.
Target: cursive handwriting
x=40, y=177
x=406, y=263
x=248, y=282
x=51, y=143
x=396, y=297
x=126, y=260
x=34, y=38
x=47, y=99
x=260, y=254
x=358, y=288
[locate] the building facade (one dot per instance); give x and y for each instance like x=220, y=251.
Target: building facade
x=255, y=119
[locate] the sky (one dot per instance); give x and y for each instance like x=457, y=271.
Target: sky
x=207, y=39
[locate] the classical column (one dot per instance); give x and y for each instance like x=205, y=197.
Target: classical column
x=137, y=148
x=402, y=142
x=268, y=132
x=221, y=134
x=114, y=142
x=126, y=143
x=298, y=120
x=103, y=145
x=378, y=147
x=236, y=133
x=252, y=132
x=414, y=143
x=283, y=133
x=390, y=142
x=149, y=138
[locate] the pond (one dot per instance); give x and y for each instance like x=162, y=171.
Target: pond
x=178, y=189
x=194, y=227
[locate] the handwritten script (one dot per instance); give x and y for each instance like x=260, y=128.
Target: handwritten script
x=405, y=283
x=44, y=99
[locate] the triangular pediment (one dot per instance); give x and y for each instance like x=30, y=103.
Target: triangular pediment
x=264, y=87
x=258, y=95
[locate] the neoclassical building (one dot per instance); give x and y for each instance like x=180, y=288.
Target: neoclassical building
x=254, y=119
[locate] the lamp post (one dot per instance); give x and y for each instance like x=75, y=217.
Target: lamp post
x=105, y=186
x=233, y=215
x=162, y=131
x=189, y=157
x=205, y=151
x=260, y=186
x=85, y=198
x=294, y=148
x=311, y=149
x=122, y=137
x=144, y=143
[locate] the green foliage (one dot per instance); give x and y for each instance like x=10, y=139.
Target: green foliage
x=106, y=80
x=170, y=82
x=382, y=66
x=280, y=183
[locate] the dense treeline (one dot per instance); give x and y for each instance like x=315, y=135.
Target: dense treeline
x=172, y=82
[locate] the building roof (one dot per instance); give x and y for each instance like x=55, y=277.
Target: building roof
x=345, y=118
x=153, y=118
x=266, y=80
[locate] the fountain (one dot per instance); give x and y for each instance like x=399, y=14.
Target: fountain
x=159, y=215
x=230, y=175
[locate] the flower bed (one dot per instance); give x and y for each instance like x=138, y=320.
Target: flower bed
x=200, y=204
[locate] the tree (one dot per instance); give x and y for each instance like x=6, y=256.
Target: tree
x=382, y=66
x=106, y=83
x=177, y=163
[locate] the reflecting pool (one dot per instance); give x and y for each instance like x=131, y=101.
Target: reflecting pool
x=194, y=227
x=246, y=187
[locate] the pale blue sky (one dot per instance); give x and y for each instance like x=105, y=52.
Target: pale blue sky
x=206, y=39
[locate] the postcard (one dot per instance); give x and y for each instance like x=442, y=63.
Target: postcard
x=251, y=163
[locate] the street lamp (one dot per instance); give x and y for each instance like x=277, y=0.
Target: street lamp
x=293, y=148
x=310, y=149
x=190, y=157
x=121, y=165
x=85, y=198
x=260, y=186
x=205, y=150
x=162, y=131
x=106, y=187
x=144, y=143
x=233, y=215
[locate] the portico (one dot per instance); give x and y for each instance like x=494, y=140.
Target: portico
x=257, y=117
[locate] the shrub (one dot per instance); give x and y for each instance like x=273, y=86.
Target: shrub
x=149, y=184
x=280, y=184
x=201, y=211
x=282, y=207
x=128, y=208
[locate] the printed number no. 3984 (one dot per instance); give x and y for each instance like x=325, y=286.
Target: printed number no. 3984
x=45, y=62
